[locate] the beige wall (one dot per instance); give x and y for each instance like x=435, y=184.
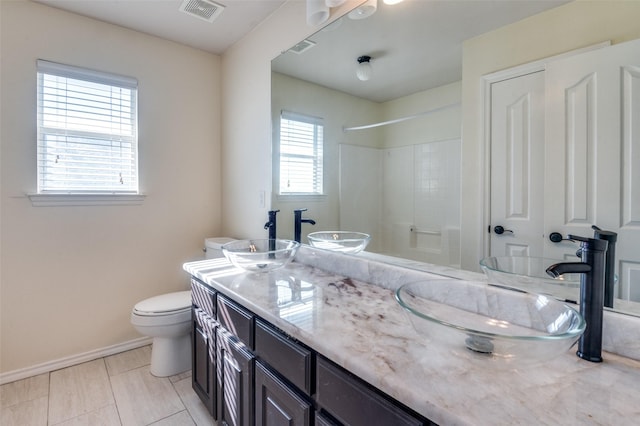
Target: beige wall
x=437, y=126
x=572, y=26
x=70, y=275
x=337, y=110
x=246, y=74
x=246, y=114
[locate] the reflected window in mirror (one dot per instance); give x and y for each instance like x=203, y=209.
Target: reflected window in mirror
x=300, y=154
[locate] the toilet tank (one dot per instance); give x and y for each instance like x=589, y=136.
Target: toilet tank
x=212, y=246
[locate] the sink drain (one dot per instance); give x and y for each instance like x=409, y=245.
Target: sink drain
x=479, y=344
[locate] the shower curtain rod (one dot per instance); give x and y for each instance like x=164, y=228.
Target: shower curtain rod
x=398, y=120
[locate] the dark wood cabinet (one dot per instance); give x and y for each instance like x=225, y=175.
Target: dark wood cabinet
x=203, y=297
x=292, y=360
x=236, y=319
x=203, y=375
x=352, y=402
x=322, y=419
x=203, y=344
x=235, y=381
x=247, y=372
x=278, y=403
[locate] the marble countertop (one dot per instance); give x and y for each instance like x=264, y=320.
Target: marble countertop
x=359, y=325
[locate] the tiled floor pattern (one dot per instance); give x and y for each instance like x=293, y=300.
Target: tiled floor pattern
x=115, y=390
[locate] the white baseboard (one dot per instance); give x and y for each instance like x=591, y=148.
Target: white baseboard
x=46, y=367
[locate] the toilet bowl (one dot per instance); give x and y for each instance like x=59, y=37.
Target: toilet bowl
x=166, y=318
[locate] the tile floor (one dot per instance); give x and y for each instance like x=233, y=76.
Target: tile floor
x=115, y=390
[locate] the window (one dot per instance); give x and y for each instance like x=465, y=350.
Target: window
x=301, y=140
x=87, y=131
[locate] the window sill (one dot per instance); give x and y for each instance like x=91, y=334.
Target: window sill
x=53, y=200
x=301, y=197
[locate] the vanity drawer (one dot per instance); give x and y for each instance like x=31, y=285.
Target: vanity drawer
x=237, y=320
x=352, y=402
x=288, y=358
x=203, y=297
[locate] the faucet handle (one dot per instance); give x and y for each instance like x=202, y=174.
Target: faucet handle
x=591, y=244
x=604, y=235
x=272, y=214
x=579, y=238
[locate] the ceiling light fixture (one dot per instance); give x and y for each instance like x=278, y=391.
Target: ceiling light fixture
x=317, y=12
x=364, y=70
x=392, y=2
x=365, y=10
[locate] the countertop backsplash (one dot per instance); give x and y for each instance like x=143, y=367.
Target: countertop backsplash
x=621, y=333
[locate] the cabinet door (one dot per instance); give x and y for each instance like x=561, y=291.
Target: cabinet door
x=235, y=381
x=203, y=297
x=203, y=358
x=278, y=404
x=323, y=420
x=353, y=403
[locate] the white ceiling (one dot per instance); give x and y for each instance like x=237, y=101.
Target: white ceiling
x=415, y=45
x=162, y=18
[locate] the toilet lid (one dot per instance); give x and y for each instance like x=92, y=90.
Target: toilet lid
x=165, y=303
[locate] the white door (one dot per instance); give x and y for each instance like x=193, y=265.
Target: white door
x=517, y=166
x=592, y=174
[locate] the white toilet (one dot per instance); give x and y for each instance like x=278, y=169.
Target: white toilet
x=167, y=318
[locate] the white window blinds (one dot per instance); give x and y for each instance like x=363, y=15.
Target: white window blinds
x=87, y=131
x=301, y=140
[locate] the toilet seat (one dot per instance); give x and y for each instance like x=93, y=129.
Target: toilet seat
x=165, y=304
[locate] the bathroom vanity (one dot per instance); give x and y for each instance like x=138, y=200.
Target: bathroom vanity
x=323, y=341
x=247, y=371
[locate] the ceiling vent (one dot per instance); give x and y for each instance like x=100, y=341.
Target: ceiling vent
x=303, y=46
x=202, y=9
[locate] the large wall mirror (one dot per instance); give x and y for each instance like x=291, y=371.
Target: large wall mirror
x=392, y=133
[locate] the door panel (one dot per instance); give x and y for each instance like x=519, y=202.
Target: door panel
x=277, y=403
x=517, y=155
x=628, y=246
x=235, y=381
x=592, y=160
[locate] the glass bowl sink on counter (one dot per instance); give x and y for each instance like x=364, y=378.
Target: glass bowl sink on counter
x=260, y=255
x=340, y=241
x=529, y=274
x=494, y=327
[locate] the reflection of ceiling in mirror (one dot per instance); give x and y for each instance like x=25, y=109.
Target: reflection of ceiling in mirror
x=415, y=45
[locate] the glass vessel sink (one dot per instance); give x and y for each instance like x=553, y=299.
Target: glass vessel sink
x=260, y=255
x=490, y=326
x=529, y=274
x=341, y=241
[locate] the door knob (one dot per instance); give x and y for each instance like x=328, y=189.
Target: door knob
x=556, y=237
x=500, y=230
